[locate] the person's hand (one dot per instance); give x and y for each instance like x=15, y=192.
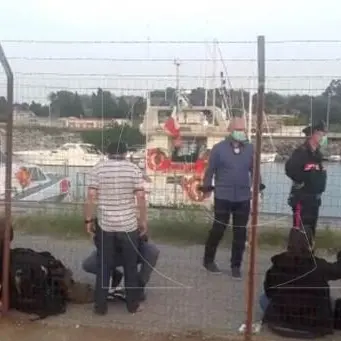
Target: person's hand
x=90, y=228
x=207, y=195
x=143, y=228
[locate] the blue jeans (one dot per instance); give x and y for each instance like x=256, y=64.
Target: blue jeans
x=263, y=302
x=149, y=254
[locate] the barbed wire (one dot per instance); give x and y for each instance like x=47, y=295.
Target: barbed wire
x=161, y=76
x=60, y=87
x=178, y=42
x=169, y=60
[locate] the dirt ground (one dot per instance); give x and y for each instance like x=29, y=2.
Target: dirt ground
x=14, y=328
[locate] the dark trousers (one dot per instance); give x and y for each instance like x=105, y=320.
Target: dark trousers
x=305, y=214
x=107, y=243
x=240, y=215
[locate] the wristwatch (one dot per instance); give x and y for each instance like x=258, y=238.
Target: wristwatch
x=88, y=221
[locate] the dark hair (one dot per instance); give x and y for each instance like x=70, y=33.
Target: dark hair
x=117, y=148
x=300, y=241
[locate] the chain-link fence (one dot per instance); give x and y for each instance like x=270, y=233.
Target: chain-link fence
x=72, y=98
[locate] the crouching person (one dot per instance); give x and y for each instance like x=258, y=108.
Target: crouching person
x=297, y=301
x=148, y=254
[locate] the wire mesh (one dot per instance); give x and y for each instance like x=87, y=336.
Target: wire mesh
x=104, y=81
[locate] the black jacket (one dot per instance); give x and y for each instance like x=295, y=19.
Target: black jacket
x=299, y=294
x=305, y=169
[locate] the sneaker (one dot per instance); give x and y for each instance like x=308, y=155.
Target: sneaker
x=236, y=274
x=212, y=267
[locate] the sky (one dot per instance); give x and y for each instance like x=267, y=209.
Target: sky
x=150, y=20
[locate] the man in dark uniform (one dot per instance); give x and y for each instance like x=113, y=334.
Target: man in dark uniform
x=309, y=177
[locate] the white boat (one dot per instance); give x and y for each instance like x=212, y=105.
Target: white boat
x=69, y=154
x=268, y=157
x=334, y=158
x=31, y=183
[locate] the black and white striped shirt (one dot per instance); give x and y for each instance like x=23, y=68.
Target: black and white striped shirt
x=116, y=182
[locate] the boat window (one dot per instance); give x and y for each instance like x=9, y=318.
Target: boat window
x=163, y=115
x=208, y=116
x=189, y=151
x=36, y=174
x=68, y=147
x=89, y=149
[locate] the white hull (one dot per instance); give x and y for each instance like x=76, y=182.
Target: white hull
x=69, y=154
x=42, y=187
x=46, y=160
x=268, y=157
x=334, y=158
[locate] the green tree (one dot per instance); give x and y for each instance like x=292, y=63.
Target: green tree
x=3, y=108
x=66, y=104
x=103, y=104
x=130, y=135
x=39, y=109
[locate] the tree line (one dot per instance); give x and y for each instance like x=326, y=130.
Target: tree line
x=104, y=104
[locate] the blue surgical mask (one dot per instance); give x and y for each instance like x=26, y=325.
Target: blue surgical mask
x=239, y=136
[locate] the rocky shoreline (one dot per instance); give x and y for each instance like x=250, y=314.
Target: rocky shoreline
x=31, y=139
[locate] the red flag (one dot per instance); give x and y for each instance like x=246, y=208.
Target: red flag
x=172, y=128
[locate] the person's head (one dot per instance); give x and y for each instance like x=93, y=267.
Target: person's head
x=300, y=241
x=316, y=135
x=237, y=129
x=117, y=150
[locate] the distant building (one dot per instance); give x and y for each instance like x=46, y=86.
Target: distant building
x=290, y=131
x=91, y=123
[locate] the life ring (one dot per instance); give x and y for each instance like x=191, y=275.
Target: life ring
x=23, y=176
x=191, y=188
x=155, y=159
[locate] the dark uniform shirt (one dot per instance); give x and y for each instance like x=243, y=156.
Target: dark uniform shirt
x=305, y=169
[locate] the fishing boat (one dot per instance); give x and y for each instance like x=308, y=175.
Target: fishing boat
x=31, y=183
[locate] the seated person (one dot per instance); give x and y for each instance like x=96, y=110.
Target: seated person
x=297, y=298
x=148, y=256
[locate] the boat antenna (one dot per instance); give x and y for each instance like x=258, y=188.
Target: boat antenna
x=177, y=87
x=328, y=110
x=205, y=77
x=226, y=75
x=214, y=75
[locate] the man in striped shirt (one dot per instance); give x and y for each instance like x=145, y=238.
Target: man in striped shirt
x=115, y=185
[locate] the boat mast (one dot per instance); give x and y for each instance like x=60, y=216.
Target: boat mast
x=205, y=76
x=328, y=111
x=177, y=90
x=214, y=79
x=249, y=122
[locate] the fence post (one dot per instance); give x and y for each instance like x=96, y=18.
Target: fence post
x=255, y=186
x=8, y=183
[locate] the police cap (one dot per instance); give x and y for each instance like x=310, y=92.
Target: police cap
x=320, y=126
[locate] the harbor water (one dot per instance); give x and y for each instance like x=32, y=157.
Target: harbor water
x=273, y=176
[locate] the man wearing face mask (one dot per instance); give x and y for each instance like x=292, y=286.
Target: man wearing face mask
x=309, y=177
x=231, y=163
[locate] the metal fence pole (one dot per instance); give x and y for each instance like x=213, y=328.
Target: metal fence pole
x=255, y=186
x=8, y=183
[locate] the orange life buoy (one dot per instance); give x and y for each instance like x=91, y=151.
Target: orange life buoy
x=191, y=188
x=155, y=159
x=23, y=176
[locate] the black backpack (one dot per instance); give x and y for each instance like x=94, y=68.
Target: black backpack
x=37, y=283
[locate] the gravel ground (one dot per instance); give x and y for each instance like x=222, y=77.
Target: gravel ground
x=181, y=295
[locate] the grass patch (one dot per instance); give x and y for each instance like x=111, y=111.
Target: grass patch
x=184, y=231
